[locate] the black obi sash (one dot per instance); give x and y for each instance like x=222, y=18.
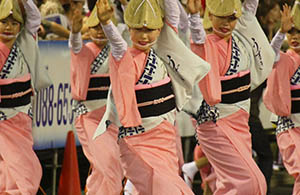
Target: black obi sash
x=236, y=89
x=15, y=94
x=98, y=88
x=155, y=101
x=296, y=102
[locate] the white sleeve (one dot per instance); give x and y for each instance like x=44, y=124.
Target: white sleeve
x=75, y=42
x=33, y=17
x=184, y=19
x=276, y=44
x=118, y=44
x=172, y=12
x=123, y=7
x=250, y=6
x=197, y=31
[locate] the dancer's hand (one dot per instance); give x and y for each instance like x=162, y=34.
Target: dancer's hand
x=286, y=19
x=194, y=6
x=77, y=18
x=105, y=11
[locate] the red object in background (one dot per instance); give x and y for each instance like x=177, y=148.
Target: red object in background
x=203, y=4
x=69, y=181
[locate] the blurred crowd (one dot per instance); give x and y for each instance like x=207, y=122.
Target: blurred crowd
x=57, y=15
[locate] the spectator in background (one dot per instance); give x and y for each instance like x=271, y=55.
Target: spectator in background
x=289, y=2
x=54, y=24
x=268, y=15
x=51, y=7
x=57, y=16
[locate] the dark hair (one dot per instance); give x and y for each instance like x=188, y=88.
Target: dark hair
x=265, y=6
x=66, y=7
x=91, y=4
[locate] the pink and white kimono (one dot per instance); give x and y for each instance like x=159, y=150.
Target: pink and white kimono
x=144, y=106
x=282, y=98
x=223, y=131
x=90, y=83
x=20, y=73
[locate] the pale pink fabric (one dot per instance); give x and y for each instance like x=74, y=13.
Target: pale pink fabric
x=4, y=52
x=81, y=69
x=295, y=87
x=289, y=146
x=108, y=162
x=179, y=149
x=102, y=153
x=150, y=162
x=277, y=97
x=128, y=69
x=151, y=85
x=217, y=52
x=207, y=173
x=99, y=75
x=239, y=74
x=20, y=169
x=24, y=78
x=227, y=145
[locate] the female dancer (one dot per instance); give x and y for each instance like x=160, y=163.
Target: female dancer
x=90, y=83
x=236, y=48
x=282, y=93
x=148, y=83
x=20, y=73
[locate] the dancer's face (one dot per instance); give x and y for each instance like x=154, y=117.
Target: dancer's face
x=223, y=26
x=97, y=35
x=144, y=38
x=293, y=37
x=9, y=28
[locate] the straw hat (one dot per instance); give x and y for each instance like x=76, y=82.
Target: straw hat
x=144, y=13
x=225, y=7
x=8, y=7
x=93, y=19
x=206, y=21
x=296, y=14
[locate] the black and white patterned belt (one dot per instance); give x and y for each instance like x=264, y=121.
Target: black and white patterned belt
x=207, y=113
x=283, y=124
x=129, y=131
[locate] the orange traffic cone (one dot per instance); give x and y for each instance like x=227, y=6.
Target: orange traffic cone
x=69, y=181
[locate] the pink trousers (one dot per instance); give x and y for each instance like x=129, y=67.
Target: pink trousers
x=227, y=145
x=102, y=153
x=150, y=161
x=207, y=173
x=289, y=146
x=179, y=150
x=20, y=169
